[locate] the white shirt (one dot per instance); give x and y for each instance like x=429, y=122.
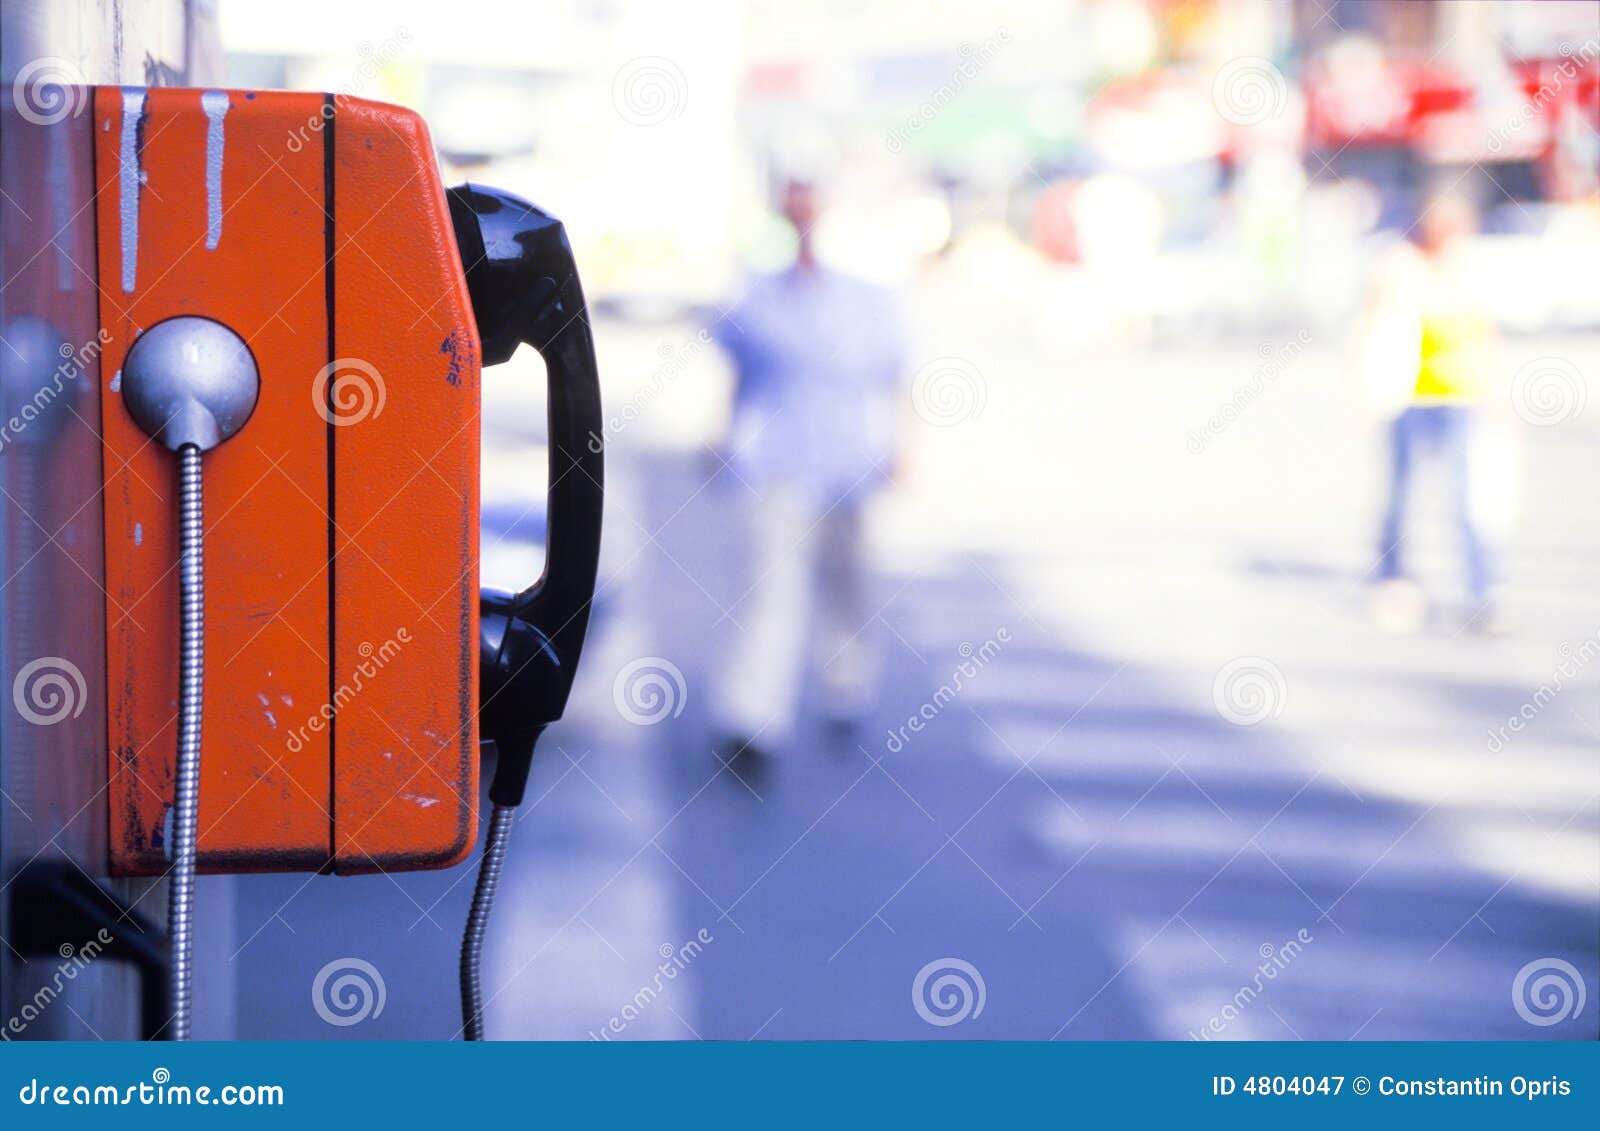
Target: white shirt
x=818, y=356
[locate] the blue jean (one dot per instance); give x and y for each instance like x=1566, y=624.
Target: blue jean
x=1446, y=431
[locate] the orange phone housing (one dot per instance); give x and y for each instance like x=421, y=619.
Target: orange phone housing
x=341, y=558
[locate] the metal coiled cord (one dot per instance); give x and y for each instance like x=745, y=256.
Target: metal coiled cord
x=186, y=792
x=190, y=383
x=494, y=858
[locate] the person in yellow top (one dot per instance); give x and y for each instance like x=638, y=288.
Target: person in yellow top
x=1428, y=342
x=1453, y=344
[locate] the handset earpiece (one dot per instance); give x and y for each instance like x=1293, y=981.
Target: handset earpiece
x=524, y=288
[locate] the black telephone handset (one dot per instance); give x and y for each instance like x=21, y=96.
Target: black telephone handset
x=524, y=288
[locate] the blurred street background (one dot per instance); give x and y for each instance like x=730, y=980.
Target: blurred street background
x=1154, y=750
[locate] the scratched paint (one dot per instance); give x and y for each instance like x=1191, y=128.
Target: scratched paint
x=215, y=104
x=138, y=534
x=462, y=350
x=128, y=182
x=116, y=381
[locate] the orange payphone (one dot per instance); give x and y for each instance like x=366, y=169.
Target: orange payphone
x=291, y=301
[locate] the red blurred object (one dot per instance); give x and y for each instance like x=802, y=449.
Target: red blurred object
x=1404, y=103
x=1055, y=224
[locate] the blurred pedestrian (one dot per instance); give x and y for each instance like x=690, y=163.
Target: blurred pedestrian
x=818, y=356
x=1429, y=347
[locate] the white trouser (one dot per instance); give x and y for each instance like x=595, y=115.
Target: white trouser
x=806, y=569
